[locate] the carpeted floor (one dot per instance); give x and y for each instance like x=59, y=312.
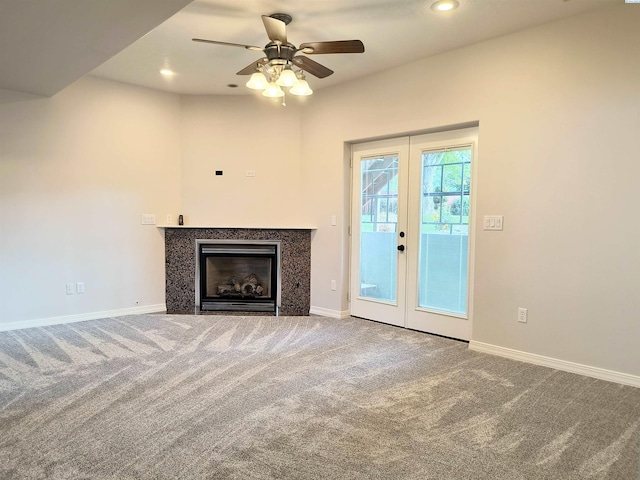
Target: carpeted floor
x=178, y=396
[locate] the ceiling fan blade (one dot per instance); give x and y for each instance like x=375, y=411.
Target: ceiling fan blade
x=215, y=42
x=339, y=46
x=312, y=67
x=276, y=29
x=253, y=67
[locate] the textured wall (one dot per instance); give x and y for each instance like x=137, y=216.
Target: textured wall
x=557, y=156
x=82, y=167
x=237, y=134
x=295, y=264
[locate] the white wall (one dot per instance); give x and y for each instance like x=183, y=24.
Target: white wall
x=558, y=108
x=79, y=169
x=76, y=172
x=237, y=134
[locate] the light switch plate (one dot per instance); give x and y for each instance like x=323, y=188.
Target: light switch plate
x=493, y=222
x=148, y=219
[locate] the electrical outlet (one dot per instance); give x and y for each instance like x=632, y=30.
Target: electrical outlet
x=522, y=315
x=80, y=287
x=70, y=290
x=251, y=173
x=169, y=219
x=333, y=284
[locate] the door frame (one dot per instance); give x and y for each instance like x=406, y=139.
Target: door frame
x=464, y=135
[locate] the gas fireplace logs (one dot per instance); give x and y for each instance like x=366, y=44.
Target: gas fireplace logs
x=249, y=286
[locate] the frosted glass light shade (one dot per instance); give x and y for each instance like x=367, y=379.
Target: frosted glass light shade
x=301, y=88
x=273, y=91
x=257, y=81
x=445, y=5
x=287, y=78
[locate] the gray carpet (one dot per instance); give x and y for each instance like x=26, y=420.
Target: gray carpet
x=178, y=396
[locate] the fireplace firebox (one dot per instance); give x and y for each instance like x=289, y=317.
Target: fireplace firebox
x=238, y=276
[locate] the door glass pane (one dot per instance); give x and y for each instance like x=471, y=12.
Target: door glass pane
x=378, y=226
x=444, y=233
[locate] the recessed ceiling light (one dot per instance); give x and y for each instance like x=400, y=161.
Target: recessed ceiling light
x=445, y=5
x=166, y=72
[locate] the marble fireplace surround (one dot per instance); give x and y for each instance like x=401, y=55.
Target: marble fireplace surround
x=180, y=264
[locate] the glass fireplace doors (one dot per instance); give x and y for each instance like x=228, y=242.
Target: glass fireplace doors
x=238, y=277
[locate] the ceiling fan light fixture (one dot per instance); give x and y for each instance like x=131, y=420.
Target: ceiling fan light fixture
x=257, y=81
x=301, y=88
x=287, y=78
x=445, y=5
x=273, y=90
x=276, y=68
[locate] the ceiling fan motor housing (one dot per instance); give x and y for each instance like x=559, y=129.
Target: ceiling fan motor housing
x=274, y=51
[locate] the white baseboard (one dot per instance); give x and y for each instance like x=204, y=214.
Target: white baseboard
x=43, y=322
x=595, y=372
x=326, y=312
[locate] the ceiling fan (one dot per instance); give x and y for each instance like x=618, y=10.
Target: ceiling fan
x=275, y=70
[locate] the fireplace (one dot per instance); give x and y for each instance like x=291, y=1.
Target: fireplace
x=182, y=280
x=235, y=275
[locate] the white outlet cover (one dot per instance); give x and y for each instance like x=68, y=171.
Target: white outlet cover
x=522, y=315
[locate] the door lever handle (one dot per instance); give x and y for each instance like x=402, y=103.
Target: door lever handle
x=401, y=248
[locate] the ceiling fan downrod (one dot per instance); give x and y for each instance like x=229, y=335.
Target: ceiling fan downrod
x=283, y=17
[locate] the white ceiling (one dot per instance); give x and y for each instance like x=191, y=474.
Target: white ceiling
x=86, y=33
x=46, y=45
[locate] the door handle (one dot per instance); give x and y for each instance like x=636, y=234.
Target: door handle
x=401, y=248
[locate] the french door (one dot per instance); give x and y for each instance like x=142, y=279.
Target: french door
x=410, y=238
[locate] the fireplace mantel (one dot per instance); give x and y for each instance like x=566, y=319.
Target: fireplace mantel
x=180, y=263
x=238, y=228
